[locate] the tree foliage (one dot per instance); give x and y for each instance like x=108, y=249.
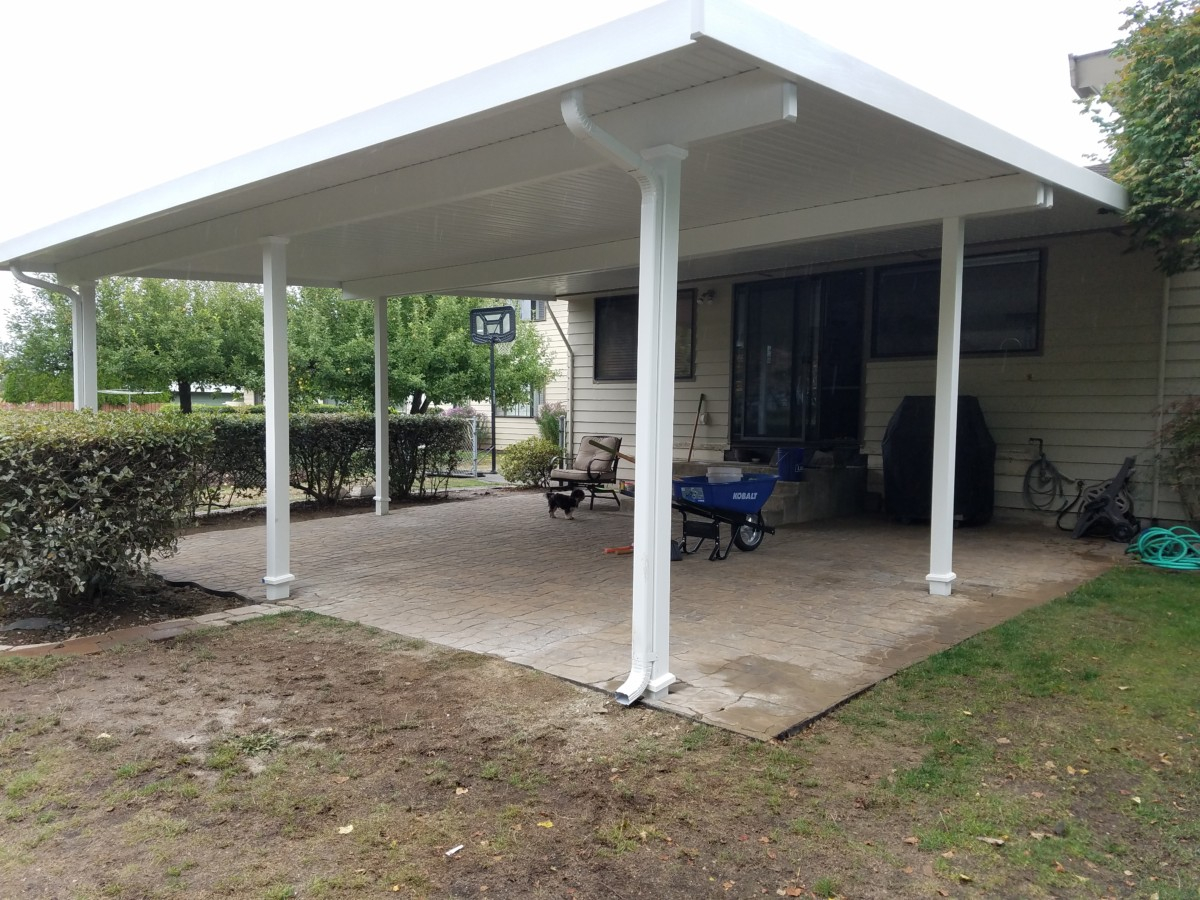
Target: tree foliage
x=152, y=333
x=1153, y=128
x=37, y=358
x=431, y=360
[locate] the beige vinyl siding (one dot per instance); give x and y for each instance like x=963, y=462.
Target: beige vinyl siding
x=510, y=429
x=608, y=407
x=1091, y=393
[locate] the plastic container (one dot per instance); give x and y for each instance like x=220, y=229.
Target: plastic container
x=724, y=474
x=746, y=495
x=791, y=463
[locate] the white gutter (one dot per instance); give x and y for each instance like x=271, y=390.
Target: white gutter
x=657, y=172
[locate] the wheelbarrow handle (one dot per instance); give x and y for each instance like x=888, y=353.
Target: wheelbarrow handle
x=605, y=447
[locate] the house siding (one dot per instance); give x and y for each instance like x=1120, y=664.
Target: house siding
x=1090, y=394
x=510, y=429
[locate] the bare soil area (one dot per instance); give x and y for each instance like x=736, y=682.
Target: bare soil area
x=295, y=756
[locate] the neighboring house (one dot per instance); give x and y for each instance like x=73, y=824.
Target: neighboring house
x=515, y=423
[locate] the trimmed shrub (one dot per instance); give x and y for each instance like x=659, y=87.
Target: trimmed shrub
x=529, y=461
x=87, y=497
x=235, y=464
x=423, y=451
x=330, y=451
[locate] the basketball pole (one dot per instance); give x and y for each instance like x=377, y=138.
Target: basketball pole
x=492, y=348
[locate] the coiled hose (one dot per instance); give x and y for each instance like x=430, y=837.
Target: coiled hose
x=1168, y=548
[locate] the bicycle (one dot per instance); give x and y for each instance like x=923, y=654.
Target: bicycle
x=1043, y=487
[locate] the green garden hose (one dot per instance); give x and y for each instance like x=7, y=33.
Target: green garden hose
x=1168, y=548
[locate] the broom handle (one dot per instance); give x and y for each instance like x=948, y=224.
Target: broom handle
x=695, y=425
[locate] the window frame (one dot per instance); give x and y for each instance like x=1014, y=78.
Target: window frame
x=685, y=299
x=974, y=261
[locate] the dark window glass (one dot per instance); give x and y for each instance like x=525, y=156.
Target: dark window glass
x=1001, y=306
x=797, y=359
x=616, y=337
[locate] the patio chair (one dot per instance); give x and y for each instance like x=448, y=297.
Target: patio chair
x=594, y=468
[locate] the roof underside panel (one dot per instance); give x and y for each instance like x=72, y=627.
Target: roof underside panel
x=444, y=192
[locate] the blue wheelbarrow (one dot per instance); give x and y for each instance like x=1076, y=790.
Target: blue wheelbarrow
x=707, y=505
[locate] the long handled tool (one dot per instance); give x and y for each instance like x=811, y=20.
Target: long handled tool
x=695, y=425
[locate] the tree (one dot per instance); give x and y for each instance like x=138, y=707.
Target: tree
x=192, y=333
x=37, y=358
x=431, y=359
x=1153, y=129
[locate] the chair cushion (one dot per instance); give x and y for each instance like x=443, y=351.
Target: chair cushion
x=599, y=477
x=589, y=452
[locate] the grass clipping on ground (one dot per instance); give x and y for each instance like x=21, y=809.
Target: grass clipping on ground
x=296, y=756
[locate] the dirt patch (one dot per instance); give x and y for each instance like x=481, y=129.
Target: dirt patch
x=298, y=756
x=293, y=756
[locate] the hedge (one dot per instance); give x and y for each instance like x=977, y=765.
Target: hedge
x=85, y=497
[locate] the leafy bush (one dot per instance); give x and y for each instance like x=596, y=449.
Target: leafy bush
x=548, y=422
x=423, y=450
x=329, y=452
x=87, y=497
x=1180, y=441
x=529, y=461
x=235, y=464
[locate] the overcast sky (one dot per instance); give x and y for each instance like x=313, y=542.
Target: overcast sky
x=105, y=99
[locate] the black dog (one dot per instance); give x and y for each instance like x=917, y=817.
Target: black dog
x=565, y=502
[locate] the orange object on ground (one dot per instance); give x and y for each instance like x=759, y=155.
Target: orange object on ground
x=619, y=551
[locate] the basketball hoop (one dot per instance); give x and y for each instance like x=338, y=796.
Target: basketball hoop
x=494, y=325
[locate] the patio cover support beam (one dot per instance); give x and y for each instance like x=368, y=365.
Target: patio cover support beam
x=83, y=334
x=945, y=418
x=382, y=404
x=275, y=356
x=658, y=172
x=83, y=346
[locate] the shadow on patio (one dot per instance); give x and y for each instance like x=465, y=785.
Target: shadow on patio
x=760, y=642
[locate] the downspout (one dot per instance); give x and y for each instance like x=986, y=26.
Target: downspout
x=645, y=636
x=44, y=285
x=569, y=437
x=1162, y=398
x=83, y=334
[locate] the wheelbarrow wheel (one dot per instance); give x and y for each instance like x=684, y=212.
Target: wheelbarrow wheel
x=748, y=537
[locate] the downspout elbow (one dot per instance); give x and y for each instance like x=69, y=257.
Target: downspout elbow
x=50, y=286
x=583, y=127
x=635, y=685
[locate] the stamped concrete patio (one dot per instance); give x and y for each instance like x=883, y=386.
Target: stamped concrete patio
x=761, y=641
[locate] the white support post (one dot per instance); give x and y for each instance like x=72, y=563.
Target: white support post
x=654, y=424
x=275, y=356
x=382, y=403
x=945, y=420
x=83, y=345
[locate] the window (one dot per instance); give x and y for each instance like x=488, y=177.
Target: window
x=531, y=310
x=616, y=337
x=797, y=360
x=526, y=410
x=1001, y=306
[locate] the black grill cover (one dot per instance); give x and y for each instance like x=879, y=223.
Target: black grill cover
x=908, y=462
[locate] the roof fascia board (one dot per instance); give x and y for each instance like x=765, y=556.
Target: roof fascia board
x=993, y=196
x=612, y=46
x=732, y=105
x=793, y=53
